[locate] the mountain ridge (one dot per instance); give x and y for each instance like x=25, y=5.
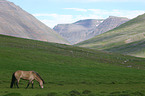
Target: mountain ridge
x=17, y=22
x=108, y=24
x=85, y=29
x=77, y=31
x=121, y=39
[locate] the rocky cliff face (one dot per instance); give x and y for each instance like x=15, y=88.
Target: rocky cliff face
x=108, y=24
x=16, y=22
x=85, y=29
x=77, y=31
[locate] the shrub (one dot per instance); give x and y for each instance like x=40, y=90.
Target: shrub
x=138, y=93
x=52, y=94
x=13, y=94
x=74, y=93
x=41, y=95
x=86, y=92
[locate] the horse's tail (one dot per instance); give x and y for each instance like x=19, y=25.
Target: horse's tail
x=13, y=80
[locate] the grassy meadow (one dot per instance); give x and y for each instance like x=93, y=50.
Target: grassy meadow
x=69, y=70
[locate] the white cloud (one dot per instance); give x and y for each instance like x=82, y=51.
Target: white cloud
x=113, y=0
x=77, y=9
x=54, y=15
x=63, y=19
x=87, y=1
x=53, y=19
x=50, y=23
x=121, y=13
x=103, y=13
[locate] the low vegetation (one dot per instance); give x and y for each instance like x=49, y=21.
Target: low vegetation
x=69, y=70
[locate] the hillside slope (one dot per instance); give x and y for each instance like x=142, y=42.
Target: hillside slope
x=69, y=70
x=128, y=38
x=14, y=21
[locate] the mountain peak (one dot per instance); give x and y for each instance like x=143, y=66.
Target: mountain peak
x=88, y=22
x=3, y=1
x=117, y=17
x=14, y=21
x=112, y=16
x=128, y=38
x=77, y=31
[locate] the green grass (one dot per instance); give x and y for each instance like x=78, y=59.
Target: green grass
x=69, y=70
x=121, y=39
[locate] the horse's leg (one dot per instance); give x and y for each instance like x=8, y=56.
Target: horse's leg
x=28, y=84
x=17, y=83
x=32, y=84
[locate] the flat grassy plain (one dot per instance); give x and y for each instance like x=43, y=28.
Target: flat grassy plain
x=69, y=70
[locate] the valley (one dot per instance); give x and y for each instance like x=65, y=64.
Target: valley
x=128, y=39
x=69, y=69
x=90, y=57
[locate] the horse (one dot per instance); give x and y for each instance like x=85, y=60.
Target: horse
x=26, y=75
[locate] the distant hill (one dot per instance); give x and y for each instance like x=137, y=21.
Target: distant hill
x=14, y=21
x=77, y=31
x=85, y=29
x=129, y=38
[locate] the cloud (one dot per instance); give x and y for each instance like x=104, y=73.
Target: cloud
x=103, y=13
x=53, y=19
x=77, y=9
x=121, y=13
x=90, y=1
x=45, y=14
x=112, y=0
x=50, y=23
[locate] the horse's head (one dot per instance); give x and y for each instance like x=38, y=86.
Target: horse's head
x=39, y=79
x=41, y=84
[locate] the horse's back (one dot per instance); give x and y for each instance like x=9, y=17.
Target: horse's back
x=18, y=72
x=24, y=74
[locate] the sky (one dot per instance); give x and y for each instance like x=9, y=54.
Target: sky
x=53, y=12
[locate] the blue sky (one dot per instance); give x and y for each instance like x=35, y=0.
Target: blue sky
x=53, y=12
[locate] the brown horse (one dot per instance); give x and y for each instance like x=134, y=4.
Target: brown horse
x=26, y=75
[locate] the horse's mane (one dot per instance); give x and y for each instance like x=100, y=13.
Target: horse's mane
x=38, y=76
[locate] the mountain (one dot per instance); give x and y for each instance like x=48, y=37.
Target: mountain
x=108, y=24
x=78, y=31
x=128, y=38
x=14, y=21
x=85, y=29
